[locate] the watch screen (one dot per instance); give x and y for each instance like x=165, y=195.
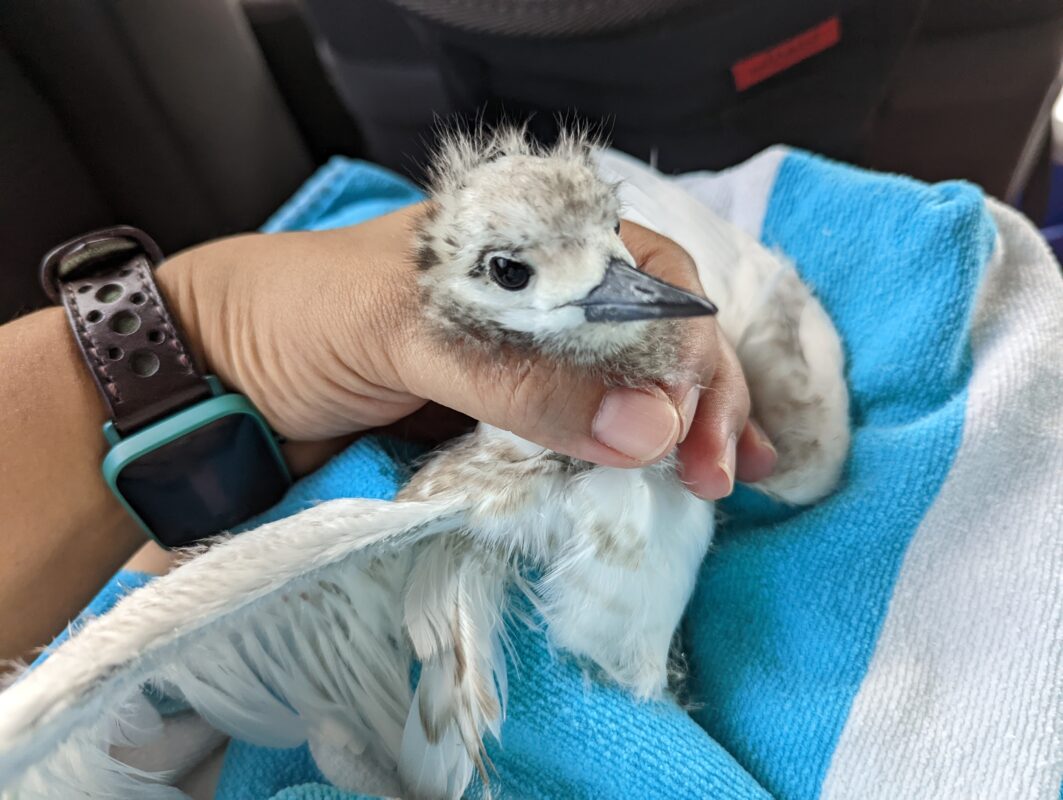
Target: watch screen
x=205, y=482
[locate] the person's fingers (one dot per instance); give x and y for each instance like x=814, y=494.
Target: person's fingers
x=557, y=407
x=664, y=259
x=756, y=454
x=755, y=457
x=709, y=453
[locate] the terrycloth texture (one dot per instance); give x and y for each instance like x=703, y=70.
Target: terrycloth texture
x=901, y=639
x=964, y=692
x=793, y=600
x=343, y=192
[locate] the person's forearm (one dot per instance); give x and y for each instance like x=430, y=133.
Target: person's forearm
x=64, y=533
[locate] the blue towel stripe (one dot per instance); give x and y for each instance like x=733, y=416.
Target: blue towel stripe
x=788, y=608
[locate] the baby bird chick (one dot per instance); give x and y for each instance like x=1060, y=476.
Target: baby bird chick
x=520, y=248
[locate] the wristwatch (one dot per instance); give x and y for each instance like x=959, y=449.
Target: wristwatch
x=186, y=458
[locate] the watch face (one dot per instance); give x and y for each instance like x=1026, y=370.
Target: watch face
x=205, y=482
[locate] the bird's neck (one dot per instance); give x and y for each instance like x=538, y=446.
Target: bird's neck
x=654, y=357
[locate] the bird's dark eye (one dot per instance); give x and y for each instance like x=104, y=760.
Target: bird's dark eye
x=510, y=274
x=616, y=227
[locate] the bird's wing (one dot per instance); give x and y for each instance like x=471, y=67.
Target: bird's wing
x=279, y=634
x=454, y=607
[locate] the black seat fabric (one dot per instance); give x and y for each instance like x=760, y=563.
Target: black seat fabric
x=942, y=89
x=157, y=114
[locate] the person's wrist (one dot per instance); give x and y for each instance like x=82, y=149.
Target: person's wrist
x=175, y=283
x=236, y=299
x=195, y=285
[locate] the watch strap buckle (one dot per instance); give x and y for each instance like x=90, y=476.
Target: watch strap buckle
x=87, y=253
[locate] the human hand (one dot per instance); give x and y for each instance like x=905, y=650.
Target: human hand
x=324, y=332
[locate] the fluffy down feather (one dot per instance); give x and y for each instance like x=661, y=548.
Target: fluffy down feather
x=454, y=607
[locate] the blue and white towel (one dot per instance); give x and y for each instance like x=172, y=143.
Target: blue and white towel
x=903, y=638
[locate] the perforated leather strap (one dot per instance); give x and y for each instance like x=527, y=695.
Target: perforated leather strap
x=133, y=347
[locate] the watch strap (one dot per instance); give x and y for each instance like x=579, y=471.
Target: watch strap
x=132, y=345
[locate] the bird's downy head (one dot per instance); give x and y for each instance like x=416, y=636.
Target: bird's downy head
x=521, y=244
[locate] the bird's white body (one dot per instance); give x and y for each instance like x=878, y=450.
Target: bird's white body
x=305, y=629
x=631, y=532
x=600, y=538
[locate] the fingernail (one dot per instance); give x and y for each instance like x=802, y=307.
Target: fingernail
x=642, y=425
x=727, y=463
x=762, y=438
x=688, y=406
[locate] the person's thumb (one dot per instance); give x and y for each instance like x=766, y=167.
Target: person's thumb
x=561, y=408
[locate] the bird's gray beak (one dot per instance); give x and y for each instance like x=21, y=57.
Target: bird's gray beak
x=627, y=294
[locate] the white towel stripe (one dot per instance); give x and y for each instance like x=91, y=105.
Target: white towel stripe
x=963, y=695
